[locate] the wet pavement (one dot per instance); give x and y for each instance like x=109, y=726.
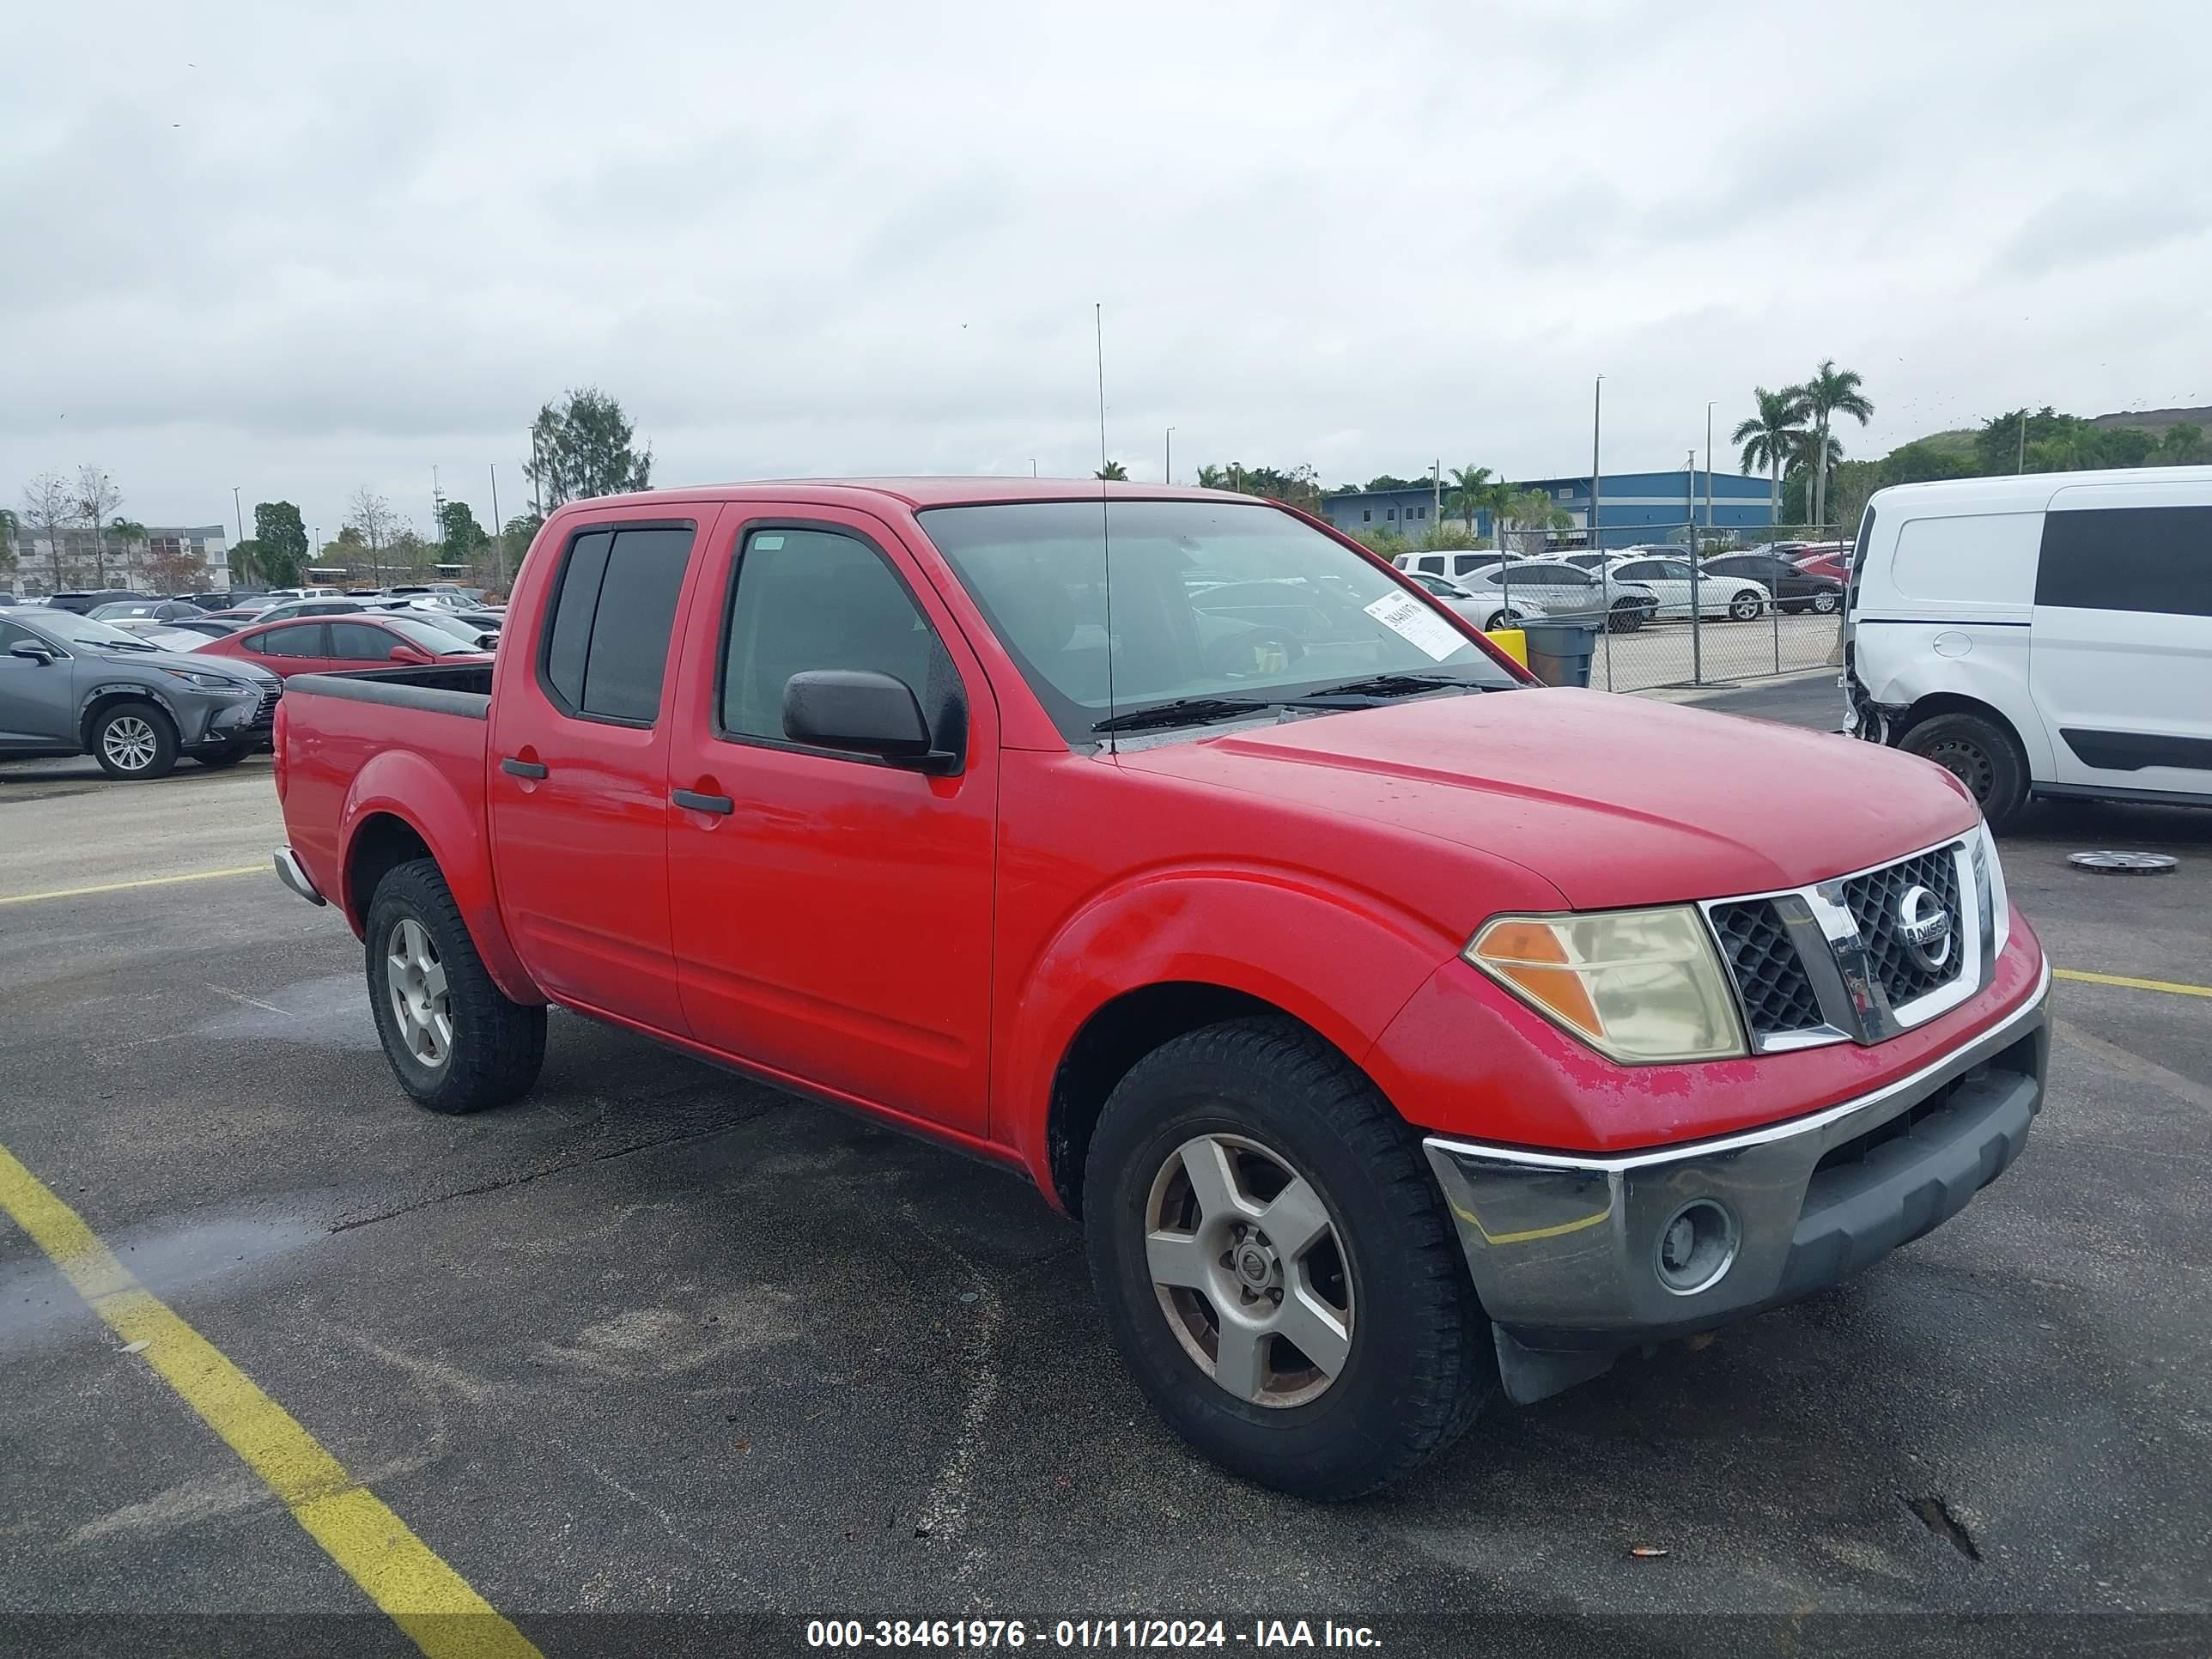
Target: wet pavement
x=660, y=1341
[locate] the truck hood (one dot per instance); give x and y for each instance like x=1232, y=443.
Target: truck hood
x=1613, y=799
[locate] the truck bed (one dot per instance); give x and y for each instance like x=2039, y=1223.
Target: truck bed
x=463, y=688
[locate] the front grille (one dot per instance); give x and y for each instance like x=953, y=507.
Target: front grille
x=1872, y=900
x=264, y=712
x=1778, y=996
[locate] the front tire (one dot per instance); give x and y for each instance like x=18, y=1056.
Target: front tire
x=1824, y=602
x=1625, y=616
x=1276, y=1265
x=1980, y=754
x=1746, y=606
x=1503, y=619
x=135, y=740
x=455, y=1042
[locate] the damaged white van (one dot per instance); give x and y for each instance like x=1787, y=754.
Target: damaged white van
x=2045, y=634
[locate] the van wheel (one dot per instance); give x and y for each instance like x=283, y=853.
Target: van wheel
x=135, y=740
x=1980, y=754
x=1276, y=1265
x=455, y=1042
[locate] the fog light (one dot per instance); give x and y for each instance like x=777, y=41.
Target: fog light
x=1695, y=1248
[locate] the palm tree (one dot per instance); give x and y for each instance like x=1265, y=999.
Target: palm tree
x=1800, y=462
x=1466, y=499
x=1213, y=477
x=1496, y=498
x=1766, y=438
x=1830, y=391
x=1113, y=471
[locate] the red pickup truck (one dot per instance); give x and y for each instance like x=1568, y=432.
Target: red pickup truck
x=1398, y=1030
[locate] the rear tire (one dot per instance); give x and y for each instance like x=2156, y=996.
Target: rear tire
x=1379, y=1282
x=135, y=740
x=1746, y=607
x=1625, y=616
x=1982, y=755
x=455, y=1042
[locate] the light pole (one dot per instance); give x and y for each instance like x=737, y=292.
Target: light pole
x=1709, y=466
x=238, y=512
x=1033, y=466
x=1604, y=575
x=1170, y=467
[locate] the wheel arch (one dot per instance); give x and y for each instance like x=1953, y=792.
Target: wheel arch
x=103, y=697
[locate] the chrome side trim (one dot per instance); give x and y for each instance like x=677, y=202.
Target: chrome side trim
x=1957, y=1060
x=289, y=872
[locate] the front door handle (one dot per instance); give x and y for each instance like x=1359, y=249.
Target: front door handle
x=720, y=805
x=522, y=768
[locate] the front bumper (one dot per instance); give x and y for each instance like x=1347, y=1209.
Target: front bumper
x=1566, y=1251
x=237, y=721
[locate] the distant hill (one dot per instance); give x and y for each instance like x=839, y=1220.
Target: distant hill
x=2156, y=419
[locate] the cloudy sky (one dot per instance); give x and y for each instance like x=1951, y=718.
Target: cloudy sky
x=303, y=250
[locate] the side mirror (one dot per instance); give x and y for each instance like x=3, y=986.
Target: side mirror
x=408, y=653
x=32, y=651
x=867, y=713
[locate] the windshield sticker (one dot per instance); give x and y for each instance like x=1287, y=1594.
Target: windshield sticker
x=1413, y=621
x=768, y=544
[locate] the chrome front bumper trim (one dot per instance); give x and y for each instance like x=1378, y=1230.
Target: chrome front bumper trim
x=1563, y=1247
x=288, y=872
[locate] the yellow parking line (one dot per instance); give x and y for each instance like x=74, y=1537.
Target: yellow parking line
x=399, y=1572
x=126, y=886
x=2172, y=988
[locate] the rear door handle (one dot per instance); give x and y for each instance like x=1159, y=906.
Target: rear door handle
x=522, y=768
x=720, y=805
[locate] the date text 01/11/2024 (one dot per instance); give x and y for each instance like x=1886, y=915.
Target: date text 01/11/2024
x=1138, y=1634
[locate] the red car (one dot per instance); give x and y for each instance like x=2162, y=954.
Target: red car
x=1829, y=559
x=1397, y=1029
x=316, y=644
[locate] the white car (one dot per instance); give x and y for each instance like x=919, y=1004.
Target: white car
x=1488, y=611
x=1738, y=598
x=2046, y=634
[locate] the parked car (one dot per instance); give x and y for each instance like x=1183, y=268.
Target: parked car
x=84, y=602
x=479, y=635
x=69, y=685
x=162, y=636
x=285, y=609
x=1454, y=566
x=1392, y=1026
x=2045, y=634
x=149, y=609
x=1832, y=562
x=1565, y=592
x=1674, y=583
x=307, y=645
x=207, y=627
x=1794, y=590
x=1487, y=612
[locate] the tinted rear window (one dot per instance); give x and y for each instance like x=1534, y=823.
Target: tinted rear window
x=606, y=652
x=2156, y=559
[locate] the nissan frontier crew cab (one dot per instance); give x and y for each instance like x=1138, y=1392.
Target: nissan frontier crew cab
x=1399, y=1032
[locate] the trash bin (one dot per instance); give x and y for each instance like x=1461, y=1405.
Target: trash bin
x=1559, y=653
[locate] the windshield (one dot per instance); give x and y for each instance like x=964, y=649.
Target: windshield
x=1209, y=600
x=435, y=640
x=83, y=630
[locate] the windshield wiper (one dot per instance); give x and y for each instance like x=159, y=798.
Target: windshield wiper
x=125, y=644
x=1390, y=685
x=1183, y=711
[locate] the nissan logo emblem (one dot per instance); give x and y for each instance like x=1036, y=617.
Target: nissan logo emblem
x=1925, y=929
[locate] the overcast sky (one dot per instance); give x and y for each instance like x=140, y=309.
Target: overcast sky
x=304, y=249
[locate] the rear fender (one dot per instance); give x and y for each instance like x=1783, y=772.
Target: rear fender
x=1343, y=960
x=402, y=784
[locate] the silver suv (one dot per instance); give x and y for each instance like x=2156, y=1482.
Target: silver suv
x=72, y=686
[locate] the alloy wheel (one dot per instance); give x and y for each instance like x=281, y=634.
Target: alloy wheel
x=129, y=743
x=416, y=981
x=1251, y=1270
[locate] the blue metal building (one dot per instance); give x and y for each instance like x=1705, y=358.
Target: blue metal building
x=1633, y=507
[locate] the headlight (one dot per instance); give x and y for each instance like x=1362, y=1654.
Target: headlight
x=1638, y=985
x=1989, y=870
x=207, y=682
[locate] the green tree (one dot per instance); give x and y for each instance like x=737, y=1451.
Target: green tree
x=1830, y=391
x=246, y=566
x=1213, y=477
x=280, y=539
x=1113, y=473
x=582, y=448
x=1529, y=510
x=514, y=538
x=1466, y=498
x=464, y=537
x=1766, y=436
x=2184, y=443
x=1918, y=462
x=1496, y=497
x=49, y=505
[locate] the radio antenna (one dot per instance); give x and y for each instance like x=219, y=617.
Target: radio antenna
x=1105, y=524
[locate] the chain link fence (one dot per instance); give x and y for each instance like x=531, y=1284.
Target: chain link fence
x=1719, y=605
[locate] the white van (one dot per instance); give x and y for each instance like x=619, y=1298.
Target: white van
x=2045, y=634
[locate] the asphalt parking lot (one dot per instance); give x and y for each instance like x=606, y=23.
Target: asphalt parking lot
x=661, y=1342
